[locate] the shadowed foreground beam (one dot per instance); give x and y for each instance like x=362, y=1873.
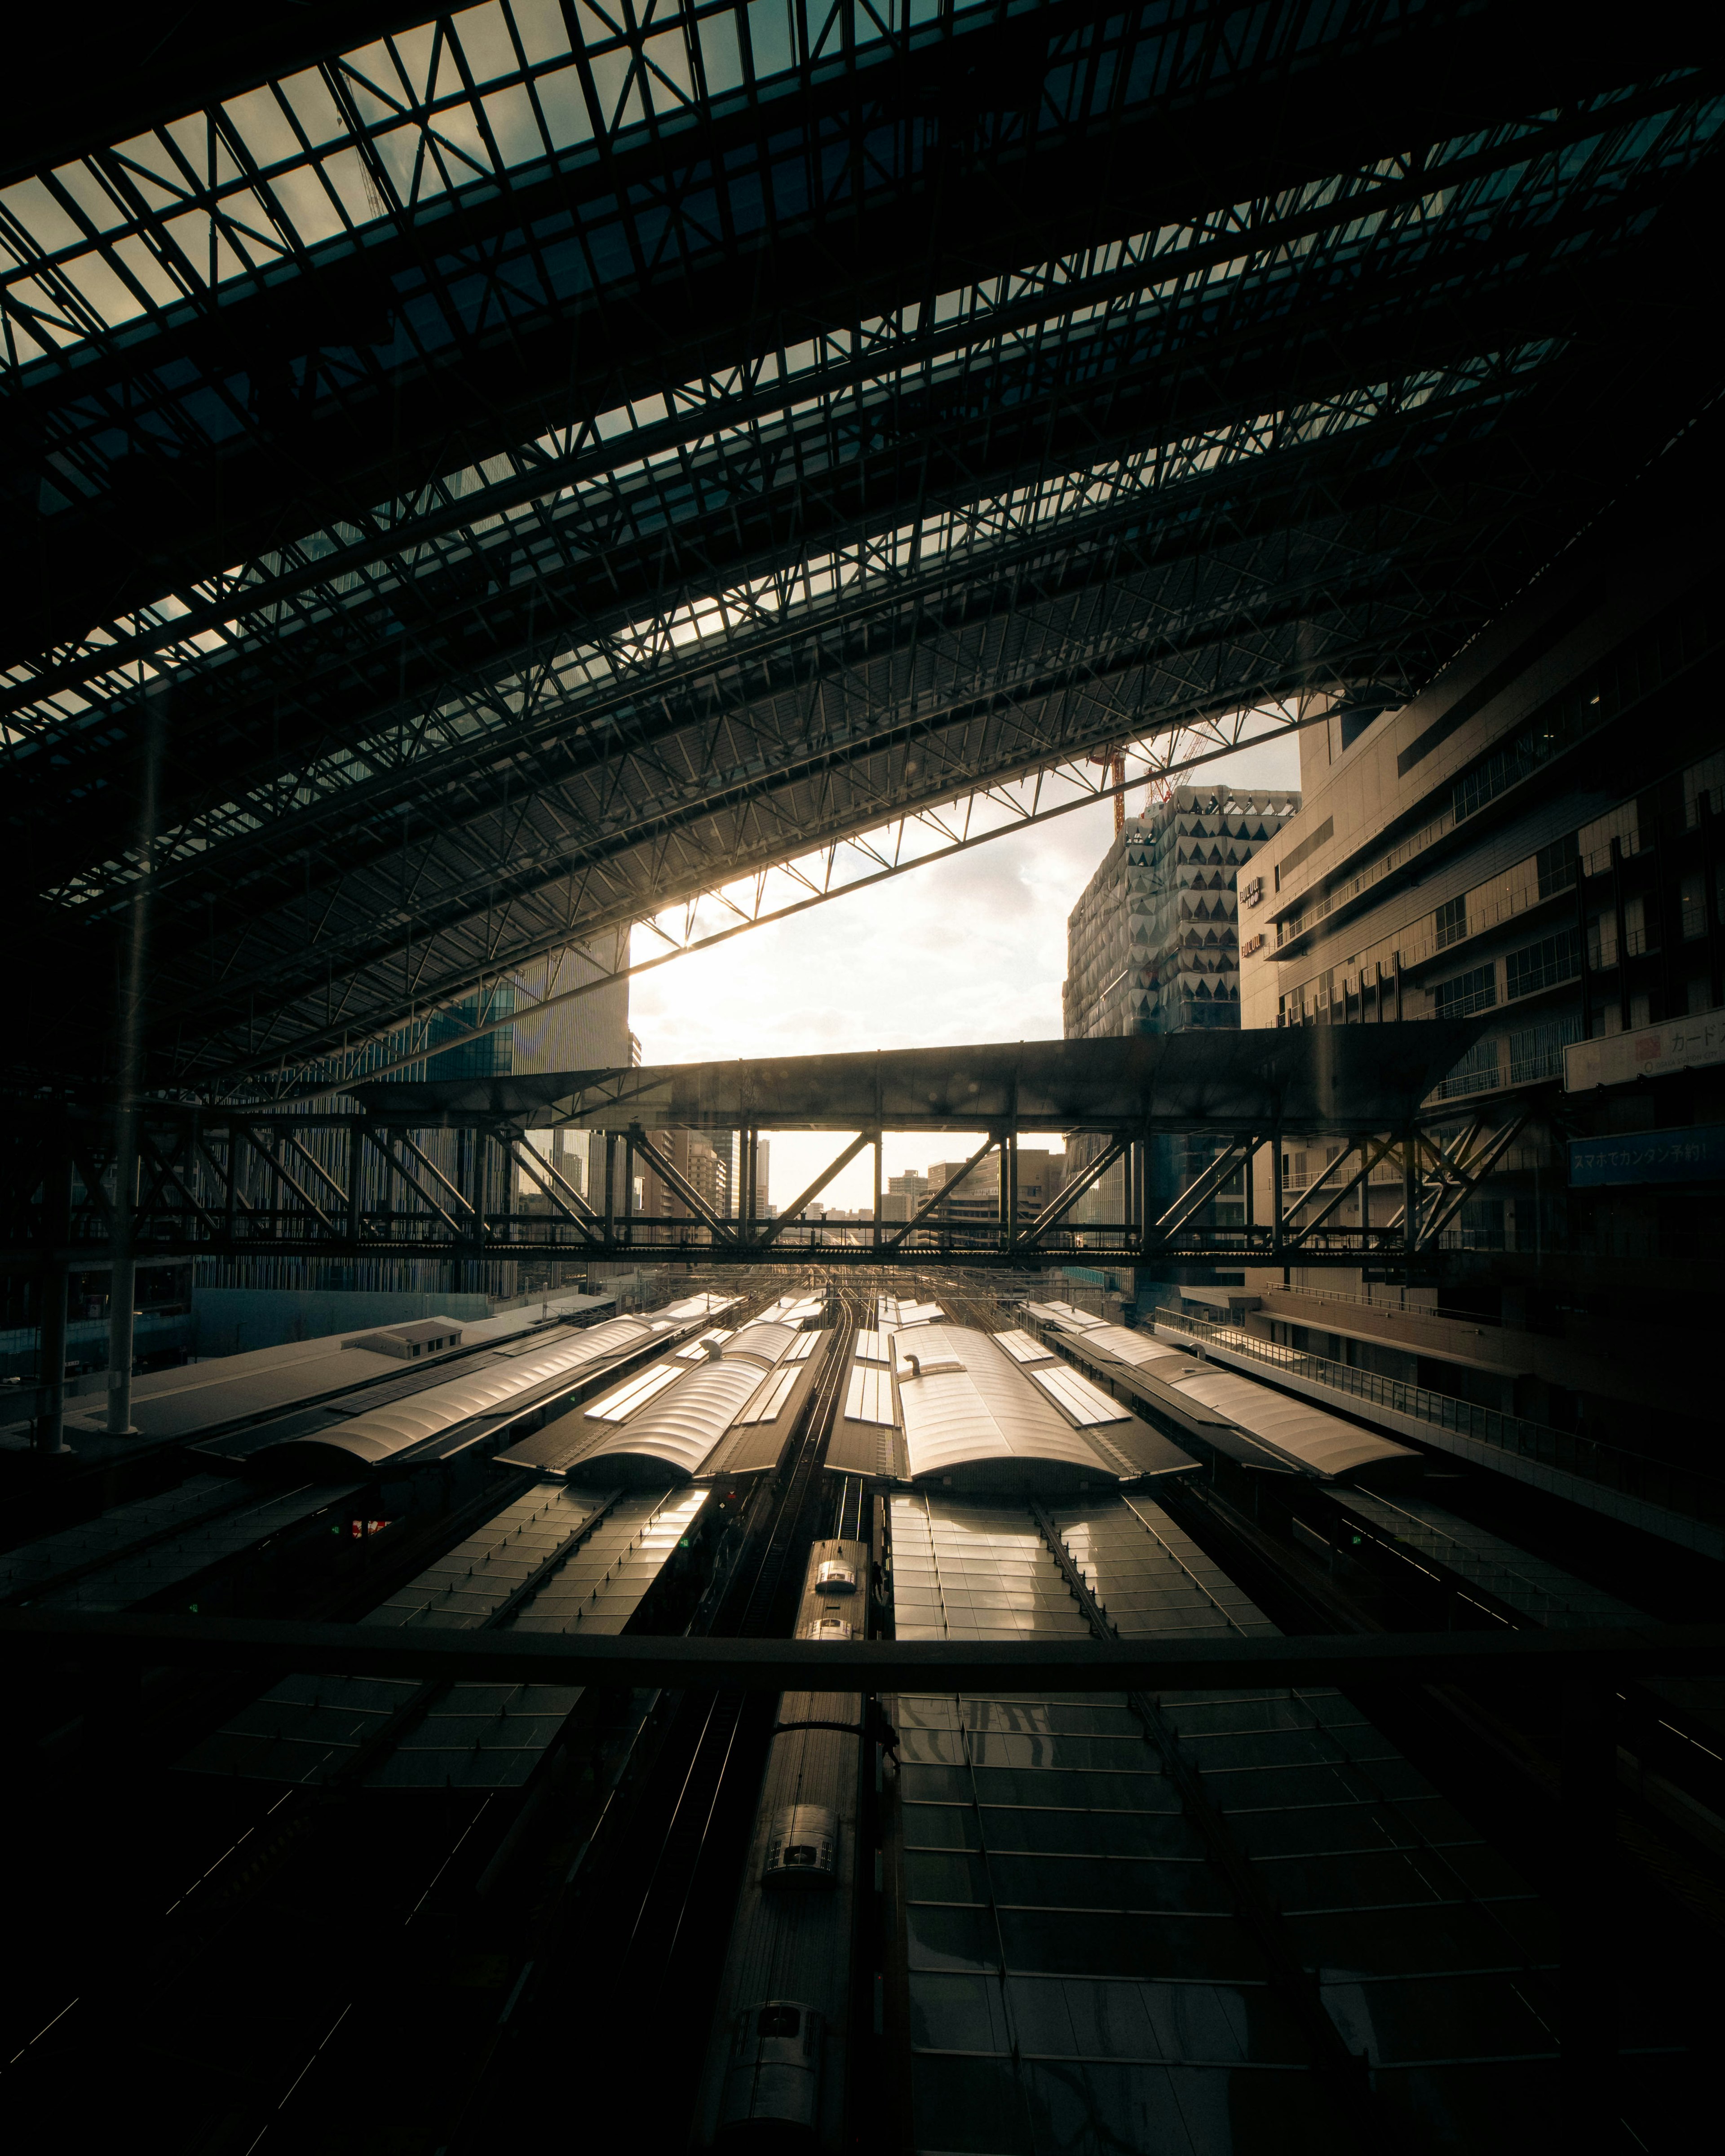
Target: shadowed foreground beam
x=424, y=1652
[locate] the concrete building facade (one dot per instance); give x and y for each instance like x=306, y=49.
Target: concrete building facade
x=1534, y=840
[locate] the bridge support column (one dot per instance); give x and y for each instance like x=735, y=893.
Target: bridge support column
x=122, y=1281
x=50, y=1431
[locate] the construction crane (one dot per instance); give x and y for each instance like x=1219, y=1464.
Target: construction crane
x=1113, y=762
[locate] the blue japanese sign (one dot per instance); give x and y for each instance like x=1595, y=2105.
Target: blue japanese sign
x=1694, y=1155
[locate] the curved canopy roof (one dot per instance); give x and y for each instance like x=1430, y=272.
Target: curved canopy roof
x=480, y=477
x=379, y=1435
x=670, y=1437
x=1304, y=1435
x=765, y=1343
x=976, y=1422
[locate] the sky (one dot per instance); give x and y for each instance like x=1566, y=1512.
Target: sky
x=969, y=949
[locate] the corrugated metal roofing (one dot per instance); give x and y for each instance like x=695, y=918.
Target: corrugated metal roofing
x=309, y=1729
x=143, y=1574
x=678, y=1431
x=633, y=1394
x=1122, y=1345
x=1063, y=1316
x=203, y=1395
x=869, y=1396
x=986, y=1412
x=766, y=1340
x=1080, y=1399
x=32, y=1566
x=1074, y=1953
x=695, y=1352
x=768, y=1401
x=1022, y=1347
x=379, y=1433
x=1319, y=1444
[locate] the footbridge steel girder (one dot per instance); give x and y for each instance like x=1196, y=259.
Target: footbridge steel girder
x=362, y=1179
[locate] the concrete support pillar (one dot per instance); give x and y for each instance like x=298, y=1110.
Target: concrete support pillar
x=57, y=1233
x=122, y=1284
x=1591, y=1970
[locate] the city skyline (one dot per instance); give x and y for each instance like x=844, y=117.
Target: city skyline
x=968, y=949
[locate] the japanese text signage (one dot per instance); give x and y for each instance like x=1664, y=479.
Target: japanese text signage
x=1694, y=1155
x=1650, y=1051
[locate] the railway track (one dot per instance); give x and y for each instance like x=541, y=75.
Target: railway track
x=641, y=1941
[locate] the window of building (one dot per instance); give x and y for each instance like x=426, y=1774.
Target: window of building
x=1475, y=990
x=1451, y=922
x=1555, y=865
x=1543, y=964
x=1536, y=1052
x=1475, y=1073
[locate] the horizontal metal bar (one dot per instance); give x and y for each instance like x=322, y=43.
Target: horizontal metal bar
x=264, y=1644
x=161, y=1250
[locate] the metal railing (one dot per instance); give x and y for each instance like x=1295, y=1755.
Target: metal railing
x=1367, y=1300
x=1630, y=1474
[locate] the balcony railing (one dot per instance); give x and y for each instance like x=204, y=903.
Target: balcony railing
x=1679, y=1490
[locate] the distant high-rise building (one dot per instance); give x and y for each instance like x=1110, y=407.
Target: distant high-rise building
x=764, y=1150
x=1154, y=944
x=1153, y=947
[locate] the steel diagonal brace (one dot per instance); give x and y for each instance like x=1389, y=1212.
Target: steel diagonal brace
x=935, y=1197
x=526, y=1160
x=226, y=1177
x=662, y=1167
x=574, y=1204
x=95, y=1190
x=287, y=1179
x=1338, y=1197
x=1439, y=1180
x=1478, y=1168
x=770, y=1233
x=1052, y=1215
x=1433, y=1176
x=317, y=1166
x=379, y=1141
x=148, y=1147
x=1204, y=1188
x=433, y=1170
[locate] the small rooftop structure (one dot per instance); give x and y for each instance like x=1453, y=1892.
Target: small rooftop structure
x=420, y=1336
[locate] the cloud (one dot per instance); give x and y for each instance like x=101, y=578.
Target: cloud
x=973, y=949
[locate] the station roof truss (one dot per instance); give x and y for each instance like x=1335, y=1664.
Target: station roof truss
x=477, y=481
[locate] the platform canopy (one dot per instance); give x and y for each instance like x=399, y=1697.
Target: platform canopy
x=1312, y=1079
x=475, y=480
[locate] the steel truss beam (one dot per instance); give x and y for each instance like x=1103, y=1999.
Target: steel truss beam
x=220, y=1186
x=264, y=1646
x=811, y=526
x=1000, y=810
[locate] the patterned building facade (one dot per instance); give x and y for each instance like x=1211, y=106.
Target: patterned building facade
x=1154, y=944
